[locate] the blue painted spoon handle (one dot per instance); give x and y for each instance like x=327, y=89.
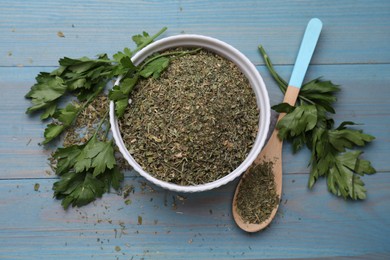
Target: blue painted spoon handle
x=306, y=51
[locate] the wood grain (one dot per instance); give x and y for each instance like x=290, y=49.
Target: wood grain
x=20, y=135
x=353, y=51
x=354, y=31
x=196, y=226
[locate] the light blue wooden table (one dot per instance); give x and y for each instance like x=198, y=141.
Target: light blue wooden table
x=353, y=51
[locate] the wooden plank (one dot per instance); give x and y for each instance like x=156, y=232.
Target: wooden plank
x=195, y=226
x=354, y=31
x=353, y=51
x=22, y=157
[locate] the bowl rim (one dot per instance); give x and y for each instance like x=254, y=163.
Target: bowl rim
x=245, y=65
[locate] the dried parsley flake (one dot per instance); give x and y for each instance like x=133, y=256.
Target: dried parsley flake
x=257, y=195
x=195, y=123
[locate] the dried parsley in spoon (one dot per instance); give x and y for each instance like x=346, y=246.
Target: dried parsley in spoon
x=257, y=195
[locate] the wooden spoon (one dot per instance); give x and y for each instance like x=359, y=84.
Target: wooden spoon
x=273, y=150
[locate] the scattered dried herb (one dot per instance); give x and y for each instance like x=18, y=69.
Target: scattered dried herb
x=195, y=123
x=87, y=122
x=86, y=164
x=308, y=124
x=126, y=190
x=257, y=195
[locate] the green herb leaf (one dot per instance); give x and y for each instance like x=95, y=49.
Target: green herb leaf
x=348, y=138
x=116, y=93
x=120, y=55
x=320, y=93
x=308, y=124
x=128, y=84
x=120, y=107
x=66, y=158
x=341, y=178
x=89, y=151
x=104, y=159
x=52, y=131
x=84, y=73
x=89, y=169
x=78, y=189
x=65, y=118
x=155, y=67
x=96, y=155
x=283, y=108
x=46, y=91
x=111, y=178
x=141, y=39
x=120, y=94
x=302, y=119
x=86, y=172
x=49, y=111
x=127, y=63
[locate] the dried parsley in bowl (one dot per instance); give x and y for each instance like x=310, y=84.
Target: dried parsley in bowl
x=194, y=124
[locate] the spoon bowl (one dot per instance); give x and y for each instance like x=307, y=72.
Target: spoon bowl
x=272, y=152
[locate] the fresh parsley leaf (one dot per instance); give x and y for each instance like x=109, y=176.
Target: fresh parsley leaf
x=104, y=159
x=128, y=84
x=112, y=178
x=45, y=92
x=116, y=93
x=52, y=131
x=97, y=156
x=89, y=169
x=49, y=111
x=300, y=120
x=120, y=107
x=66, y=158
x=342, y=178
x=84, y=73
x=308, y=124
x=65, y=118
x=78, y=189
x=127, y=63
x=320, y=93
x=119, y=55
x=141, y=39
x=86, y=171
x=283, y=108
x=155, y=67
x=348, y=138
x=89, y=151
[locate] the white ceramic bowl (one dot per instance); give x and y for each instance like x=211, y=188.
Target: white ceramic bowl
x=256, y=81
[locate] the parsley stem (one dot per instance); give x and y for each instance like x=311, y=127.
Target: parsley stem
x=282, y=84
x=85, y=104
x=140, y=47
x=151, y=39
x=90, y=99
x=101, y=124
x=93, y=96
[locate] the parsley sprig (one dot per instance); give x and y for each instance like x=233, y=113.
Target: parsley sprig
x=87, y=170
x=308, y=124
